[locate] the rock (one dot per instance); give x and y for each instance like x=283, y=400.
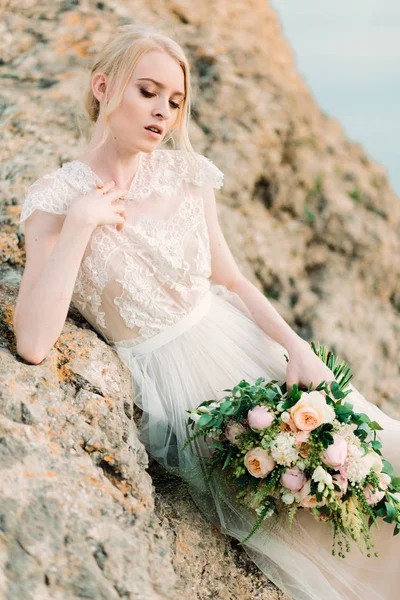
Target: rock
x=77, y=508
x=311, y=220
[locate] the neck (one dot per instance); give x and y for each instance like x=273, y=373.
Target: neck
x=110, y=161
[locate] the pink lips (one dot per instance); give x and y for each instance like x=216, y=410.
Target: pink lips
x=153, y=133
x=159, y=128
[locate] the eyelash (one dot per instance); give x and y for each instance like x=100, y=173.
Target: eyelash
x=148, y=94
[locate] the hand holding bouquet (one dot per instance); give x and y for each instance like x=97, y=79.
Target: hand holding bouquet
x=303, y=450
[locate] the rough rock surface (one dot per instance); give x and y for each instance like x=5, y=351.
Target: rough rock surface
x=311, y=220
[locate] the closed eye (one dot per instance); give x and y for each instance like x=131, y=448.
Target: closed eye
x=148, y=94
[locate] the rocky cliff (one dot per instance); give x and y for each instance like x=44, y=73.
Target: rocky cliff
x=311, y=220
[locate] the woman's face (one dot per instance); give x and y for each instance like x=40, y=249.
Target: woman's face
x=146, y=102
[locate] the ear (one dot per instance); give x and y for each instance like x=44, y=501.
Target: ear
x=99, y=86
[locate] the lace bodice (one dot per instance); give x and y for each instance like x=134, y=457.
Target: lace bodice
x=134, y=283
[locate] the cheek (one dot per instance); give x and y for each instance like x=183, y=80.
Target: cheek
x=174, y=119
x=131, y=104
x=125, y=116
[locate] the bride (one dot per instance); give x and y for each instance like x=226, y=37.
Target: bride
x=129, y=232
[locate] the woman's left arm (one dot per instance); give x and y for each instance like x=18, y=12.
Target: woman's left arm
x=304, y=366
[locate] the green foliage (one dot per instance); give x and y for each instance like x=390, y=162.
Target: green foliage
x=351, y=516
x=267, y=511
x=356, y=194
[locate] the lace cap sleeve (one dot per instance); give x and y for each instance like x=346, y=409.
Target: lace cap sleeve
x=48, y=193
x=206, y=172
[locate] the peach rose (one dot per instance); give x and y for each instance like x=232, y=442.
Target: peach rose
x=335, y=455
x=311, y=411
x=307, y=500
x=301, y=443
x=258, y=462
x=260, y=418
x=293, y=479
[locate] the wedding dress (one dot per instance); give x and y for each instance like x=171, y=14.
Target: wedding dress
x=147, y=291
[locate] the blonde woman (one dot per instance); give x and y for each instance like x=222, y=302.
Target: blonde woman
x=129, y=232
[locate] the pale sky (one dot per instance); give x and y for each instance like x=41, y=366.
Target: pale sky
x=349, y=54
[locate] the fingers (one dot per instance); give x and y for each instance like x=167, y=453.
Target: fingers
x=121, y=223
x=290, y=381
x=112, y=195
x=116, y=194
x=111, y=191
x=105, y=187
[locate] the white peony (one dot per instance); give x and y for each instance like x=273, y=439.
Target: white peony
x=357, y=465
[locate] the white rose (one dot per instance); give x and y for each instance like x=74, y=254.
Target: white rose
x=288, y=498
x=373, y=461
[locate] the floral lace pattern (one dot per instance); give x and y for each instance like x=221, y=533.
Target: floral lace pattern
x=134, y=283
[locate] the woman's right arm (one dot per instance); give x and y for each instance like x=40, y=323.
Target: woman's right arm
x=55, y=245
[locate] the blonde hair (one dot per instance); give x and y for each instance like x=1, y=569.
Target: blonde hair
x=118, y=59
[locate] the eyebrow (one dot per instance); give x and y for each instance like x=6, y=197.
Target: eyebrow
x=161, y=85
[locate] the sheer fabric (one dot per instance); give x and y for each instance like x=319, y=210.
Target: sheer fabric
x=135, y=282
x=147, y=291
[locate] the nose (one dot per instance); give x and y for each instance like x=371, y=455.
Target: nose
x=163, y=109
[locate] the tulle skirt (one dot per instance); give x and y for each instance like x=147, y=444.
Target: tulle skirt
x=209, y=351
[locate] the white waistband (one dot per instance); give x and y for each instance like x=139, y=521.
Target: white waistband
x=169, y=333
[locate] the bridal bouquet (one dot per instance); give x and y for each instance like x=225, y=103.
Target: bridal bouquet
x=302, y=450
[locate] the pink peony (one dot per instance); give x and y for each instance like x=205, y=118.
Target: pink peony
x=260, y=418
x=342, y=483
x=293, y=479
x=375, y=497
x=335, y=455
x=306, y=499
x=232, y=430
x=258, y=462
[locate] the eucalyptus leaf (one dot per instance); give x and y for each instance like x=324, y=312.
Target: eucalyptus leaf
x=205, y=420
x=225, y=407
x=376, y=444
x=375, y=426
x=391, y=511
x=365, y=427
x=387, y=468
